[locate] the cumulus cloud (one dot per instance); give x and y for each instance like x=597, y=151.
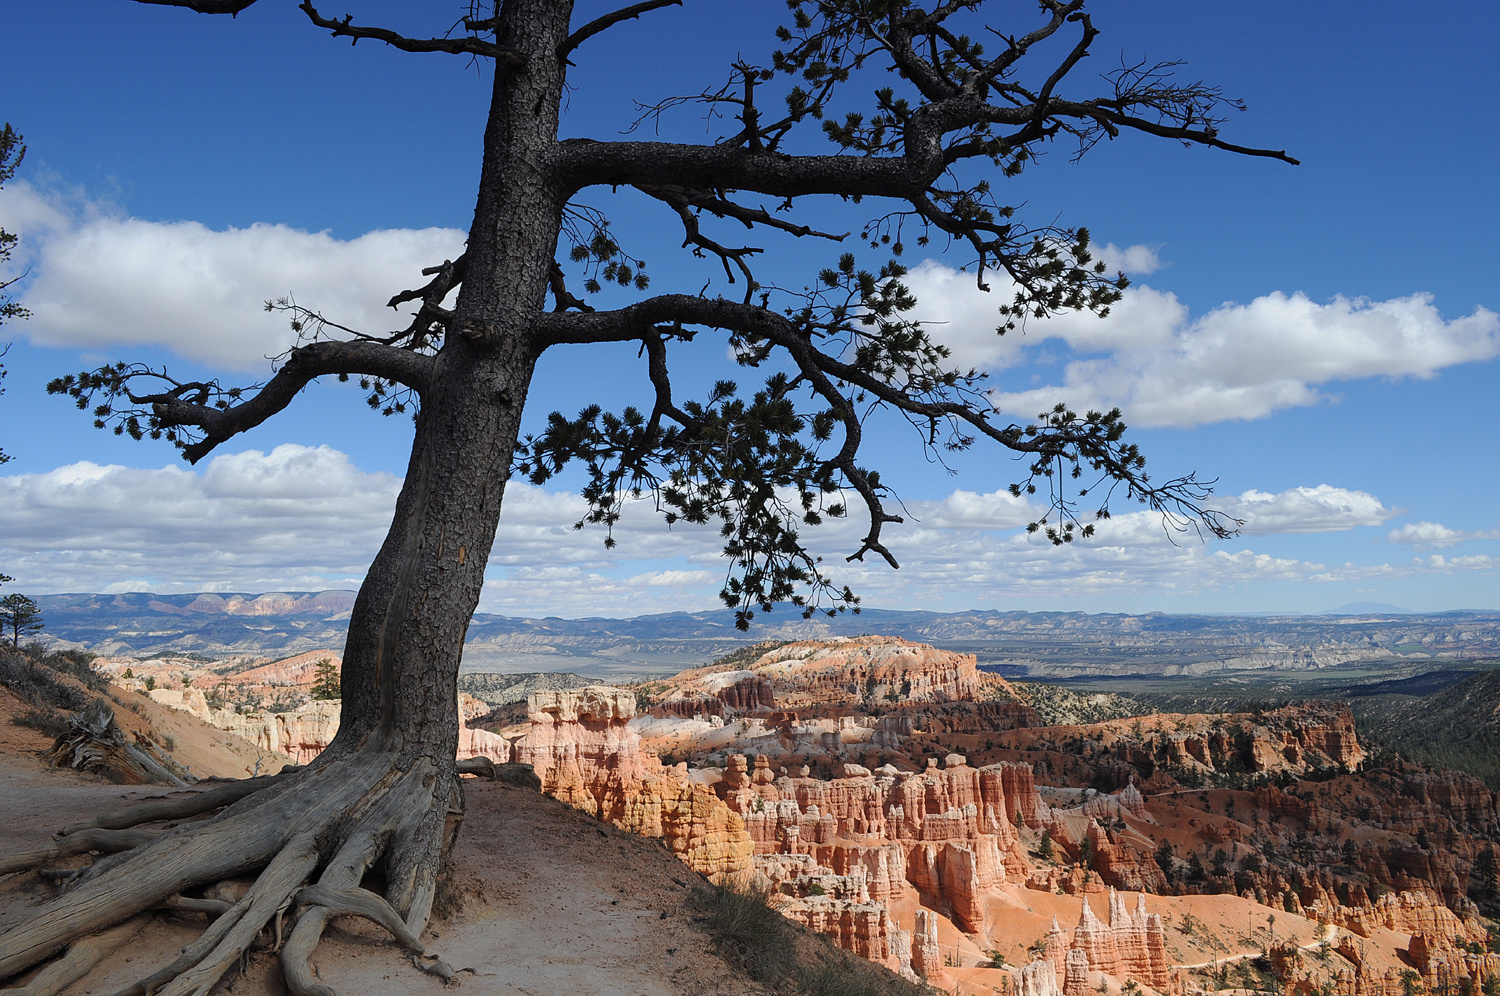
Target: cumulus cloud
x=1428, y=534
x=1434, y=535
x=306, y=518
x=294, y=517
x=102, y=279
x=1165, y=367
x=1321, y=509
x=1137, y=260
x=301, y=518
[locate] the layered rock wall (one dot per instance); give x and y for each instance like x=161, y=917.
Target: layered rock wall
x=585, y=752
x=301, y=734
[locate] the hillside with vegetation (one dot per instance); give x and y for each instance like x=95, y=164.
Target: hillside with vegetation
x=1458, y=727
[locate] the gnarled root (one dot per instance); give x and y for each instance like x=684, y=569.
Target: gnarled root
x=345, y=814
x=83, y=954
x=103, y=841
x=481, y=766
x=178, y=807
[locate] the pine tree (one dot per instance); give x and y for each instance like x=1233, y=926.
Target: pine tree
x=1484, y=881
x=326, y=681
x=21, y=616
x=901, y=121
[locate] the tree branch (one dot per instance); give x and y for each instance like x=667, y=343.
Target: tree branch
x=458, y=46
x=212, y=414
x=586, y=162
x=599, y=24
x=1060, y=445
x=563, y=299
x=230, y=7
x=724, y=208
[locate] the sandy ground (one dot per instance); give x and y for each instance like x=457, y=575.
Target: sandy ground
x=551, y=901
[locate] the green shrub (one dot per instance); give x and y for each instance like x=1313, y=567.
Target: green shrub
x=78, y=663
x=37, y=684
x=44, y=720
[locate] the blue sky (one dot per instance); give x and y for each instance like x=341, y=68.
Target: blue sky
x=1319, y=338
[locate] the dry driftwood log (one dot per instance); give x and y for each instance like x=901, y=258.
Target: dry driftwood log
x=94, y=742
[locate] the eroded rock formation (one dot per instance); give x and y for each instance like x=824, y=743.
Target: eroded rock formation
x=873, y=669
x=304, y=732
x=301, y=733
x=585, y=752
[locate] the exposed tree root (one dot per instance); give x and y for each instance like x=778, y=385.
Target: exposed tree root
x=364, y=903
x=83, y=954
x=270, y=895
x=510, y=773
x=190, y=904
x=477, y=766
x=177, y=807
x=103, y=841
x=345, y=815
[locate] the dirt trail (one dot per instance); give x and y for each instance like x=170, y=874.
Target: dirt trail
x=551, y=901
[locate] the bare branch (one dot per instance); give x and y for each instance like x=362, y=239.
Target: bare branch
x=230, y=7
x=599, y=24
x=562, y=299
x=469, y=45
x=725, y=208
x=693, y=236
x=1018, y=48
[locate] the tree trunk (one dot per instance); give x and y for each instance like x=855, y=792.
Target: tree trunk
x=384, y=788
x=407, y=630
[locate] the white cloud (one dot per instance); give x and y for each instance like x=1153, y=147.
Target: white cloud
x=1434, y=535
x=1438, y=564
x=300, y=518
x=1304, y=510
x=306, y=518
x=1429, y=534
x=294, y=517
x=1137, y=260
x=100, y=279
x=1164, y=367
x=968, y=510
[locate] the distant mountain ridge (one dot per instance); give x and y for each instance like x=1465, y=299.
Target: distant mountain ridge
x=1367, y=608
x=1036, y=644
